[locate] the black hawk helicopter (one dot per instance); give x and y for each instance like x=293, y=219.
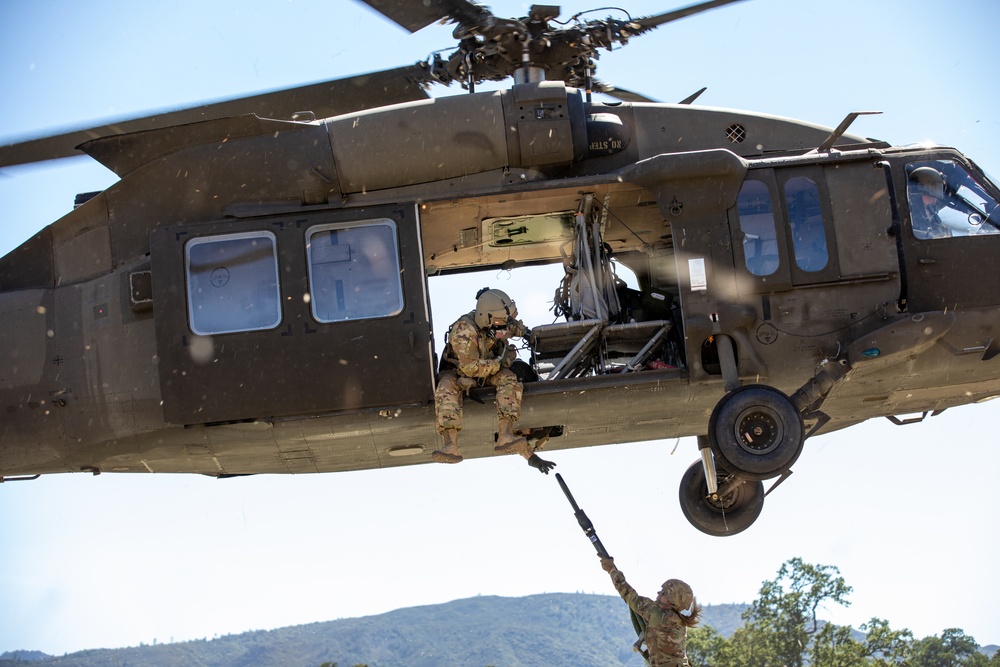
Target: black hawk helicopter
x=785, y=287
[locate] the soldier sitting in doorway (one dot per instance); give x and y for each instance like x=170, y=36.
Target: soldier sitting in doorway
x=477, y=354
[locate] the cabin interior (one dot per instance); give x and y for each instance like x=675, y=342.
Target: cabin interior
x=602, y=254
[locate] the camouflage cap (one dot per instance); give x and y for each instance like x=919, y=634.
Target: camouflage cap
x=679, y=595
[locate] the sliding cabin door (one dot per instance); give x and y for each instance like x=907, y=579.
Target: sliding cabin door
x=313, y=313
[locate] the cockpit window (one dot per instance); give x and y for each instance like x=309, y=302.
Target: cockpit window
x=232, y=283
x=354, y=271
x=805, y=219
x=947, y=201
x=760, y=236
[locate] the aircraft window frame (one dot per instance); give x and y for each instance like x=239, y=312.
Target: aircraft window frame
x=367, y=264
x=225, y=297
x=759, y=230
x=806, y=225
x=966, y=208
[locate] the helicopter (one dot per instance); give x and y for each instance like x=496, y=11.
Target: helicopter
x=783, y=291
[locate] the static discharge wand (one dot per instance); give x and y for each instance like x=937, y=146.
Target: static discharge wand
x=583, y=520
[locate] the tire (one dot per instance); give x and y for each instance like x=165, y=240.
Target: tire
x=723, y=516
x=756, y=432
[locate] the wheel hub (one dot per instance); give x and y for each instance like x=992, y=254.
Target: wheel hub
x=722, y=503
x=758, y=431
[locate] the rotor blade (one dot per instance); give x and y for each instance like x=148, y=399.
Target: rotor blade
x=416, y=15
x=693, y=96
x=324, y=99
x=619, y=93
x=651, y=22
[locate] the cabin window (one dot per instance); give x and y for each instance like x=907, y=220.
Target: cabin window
x=232, y=283
x=760, y=236
x=354, y=271
x=805, y=220
x=946, y=201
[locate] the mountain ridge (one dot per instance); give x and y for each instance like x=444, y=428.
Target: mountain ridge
x=579, y=629
x=585, y=630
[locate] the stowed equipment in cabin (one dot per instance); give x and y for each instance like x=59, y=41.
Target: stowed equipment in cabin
x=609, y=327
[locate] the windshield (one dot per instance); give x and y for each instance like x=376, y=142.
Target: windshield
x=946, y=200
x=991, y=180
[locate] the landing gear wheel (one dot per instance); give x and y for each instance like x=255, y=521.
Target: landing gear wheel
x=724, y=515
x=756, y=432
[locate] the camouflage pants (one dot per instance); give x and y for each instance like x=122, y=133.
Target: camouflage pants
x=450, y=389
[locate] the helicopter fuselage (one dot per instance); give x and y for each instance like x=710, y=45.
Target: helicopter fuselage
x=252, y=295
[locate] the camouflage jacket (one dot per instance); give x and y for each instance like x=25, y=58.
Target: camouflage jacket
x=474, y=352
x=666, y=636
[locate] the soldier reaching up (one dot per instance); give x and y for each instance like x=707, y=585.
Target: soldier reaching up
x=666, y=620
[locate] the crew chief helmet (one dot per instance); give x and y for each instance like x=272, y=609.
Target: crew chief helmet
x=494, y=308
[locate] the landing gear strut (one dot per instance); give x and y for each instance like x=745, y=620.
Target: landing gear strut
x=755, y=433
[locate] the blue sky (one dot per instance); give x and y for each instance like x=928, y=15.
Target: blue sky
x=906, y=513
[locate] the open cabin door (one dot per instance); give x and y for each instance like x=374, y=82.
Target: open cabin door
x=311, y=313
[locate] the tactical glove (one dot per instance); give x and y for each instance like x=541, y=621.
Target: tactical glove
x=608, y=565
x=541, y=464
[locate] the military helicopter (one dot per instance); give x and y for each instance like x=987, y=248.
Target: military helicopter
x=784, y=290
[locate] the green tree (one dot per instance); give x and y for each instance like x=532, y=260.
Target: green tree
x=703, y=644
x=953, y=648
x=783, y=617
x=747, y=647
x=835, y=646
x=781, y=628
x=884, y=646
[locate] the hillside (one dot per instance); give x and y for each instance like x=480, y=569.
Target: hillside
x=534, y=631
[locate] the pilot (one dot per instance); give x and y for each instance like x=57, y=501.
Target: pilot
x=926, y=196
x=476, y=354
x=667, y=618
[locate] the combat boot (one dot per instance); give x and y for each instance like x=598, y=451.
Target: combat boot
x=450, y=453
x=508, y=443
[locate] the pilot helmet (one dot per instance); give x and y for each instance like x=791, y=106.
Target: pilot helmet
x=494, y=309
x=928, y=181
x=679, y=596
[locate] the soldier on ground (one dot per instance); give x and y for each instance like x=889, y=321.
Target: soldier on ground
x=666, y=620
x=477, y=354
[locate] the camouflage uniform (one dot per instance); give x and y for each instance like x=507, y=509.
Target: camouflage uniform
x=471, y=359
x=666, y=633
x=476, y=354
